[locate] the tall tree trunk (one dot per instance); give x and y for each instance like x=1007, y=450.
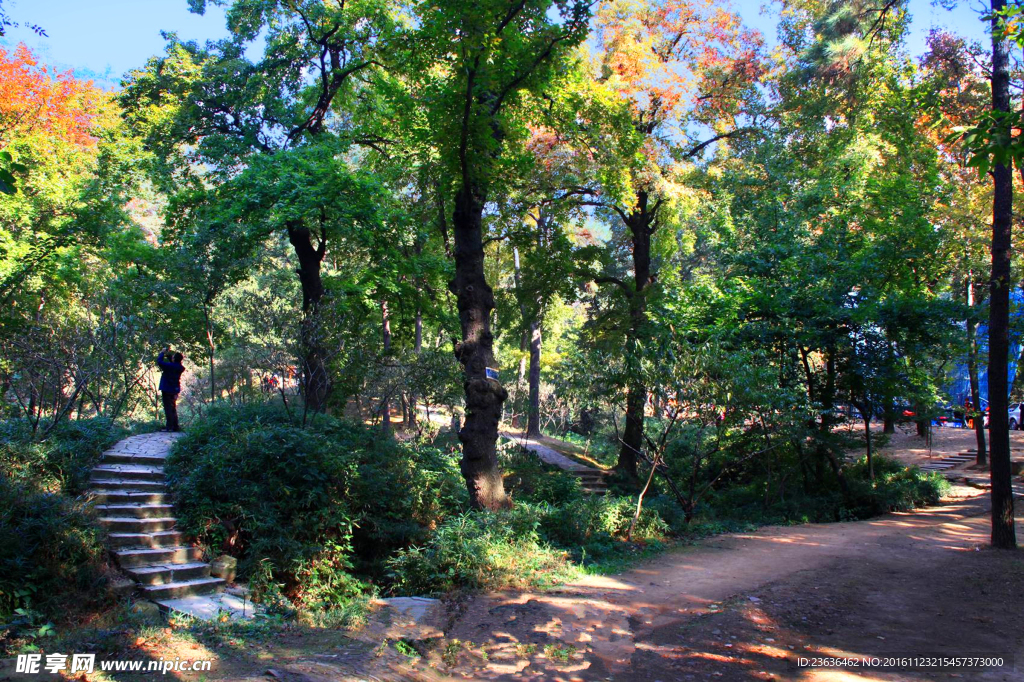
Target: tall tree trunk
x=210, y=349
x=483, y=395
x=972, y=373
x=417, y=349
x=316, y=380
x=640, y=225
x=524, y=338
x=867, y=437
x=385, y=409
x=828, y=402
x=533, y=418
x=924, y=423
x=1003, y=532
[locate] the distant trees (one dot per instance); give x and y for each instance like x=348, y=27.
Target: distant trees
x=69, y=338
x=705, y=253
x=235, y=114
x=674, y=78
x=472, y=65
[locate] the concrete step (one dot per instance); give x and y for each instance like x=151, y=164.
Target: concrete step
x=158, y=556
x=129, y=524
x=170, y=573
x=129, y=497
x=185, y=588
x=130, y=458
x=130, y=472
x=104, y=485
x=164, y=538
x=138, y=511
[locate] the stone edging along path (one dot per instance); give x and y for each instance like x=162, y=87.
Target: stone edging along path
x=129, y=491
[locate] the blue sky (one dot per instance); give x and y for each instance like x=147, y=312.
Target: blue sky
x=102, y=39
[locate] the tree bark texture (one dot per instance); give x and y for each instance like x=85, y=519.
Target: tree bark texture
x=533, y=417
x=483, y=395
x=640, y=227
x=385, y=409
x=315, y=378
x=972, y=373
x=1003, y=532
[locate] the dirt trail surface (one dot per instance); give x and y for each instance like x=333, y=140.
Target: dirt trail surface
x=747, y=606
x=744, y=606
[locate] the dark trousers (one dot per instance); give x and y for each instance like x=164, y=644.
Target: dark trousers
x=170, y=409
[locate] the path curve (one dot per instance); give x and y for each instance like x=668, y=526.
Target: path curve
x=672, y=618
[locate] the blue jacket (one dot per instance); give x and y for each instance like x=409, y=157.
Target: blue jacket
x=170, y=379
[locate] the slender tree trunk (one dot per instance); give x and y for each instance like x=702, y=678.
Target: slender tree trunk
x=210, y=350
x=316, y=380
x=524, y=338
x=640, y=227
x=922, y=423
x=1003, y=532
x=385, y=410
x=533, y=418
x=867, y=436
x=483, y=395
x=828, y=401
x=972, y=373
x=417, y=349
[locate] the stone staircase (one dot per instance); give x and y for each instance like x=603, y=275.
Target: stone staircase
x=129, y=491
x=592, y=480
x=949, y=462
x=949, y=467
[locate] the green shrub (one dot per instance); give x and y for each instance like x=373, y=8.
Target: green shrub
x=595, y=526
x=529, y=479
x=895, y=488
x=315, y=504
x=478, y=550
x=51, y=556
x=61, y=461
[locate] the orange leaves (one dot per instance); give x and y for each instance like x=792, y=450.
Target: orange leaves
x=35, y=99
x=674, y=56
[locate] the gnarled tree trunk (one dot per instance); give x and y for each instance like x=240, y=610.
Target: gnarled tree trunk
x=484, y=395
x=315, y=379
x=640, y=225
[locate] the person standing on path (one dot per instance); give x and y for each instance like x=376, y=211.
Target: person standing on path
x=170, y=385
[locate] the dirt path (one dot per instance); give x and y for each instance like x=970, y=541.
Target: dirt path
x=747, y=606
x=744, y=606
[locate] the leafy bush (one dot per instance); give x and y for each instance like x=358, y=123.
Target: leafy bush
x=61, y=461
x=478, y=550
x=529, y=479
x=315, y=504
x=51, y=556
x=895, y=488
x=596, y=525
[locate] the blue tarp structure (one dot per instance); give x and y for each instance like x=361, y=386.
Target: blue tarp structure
x=959, y=388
